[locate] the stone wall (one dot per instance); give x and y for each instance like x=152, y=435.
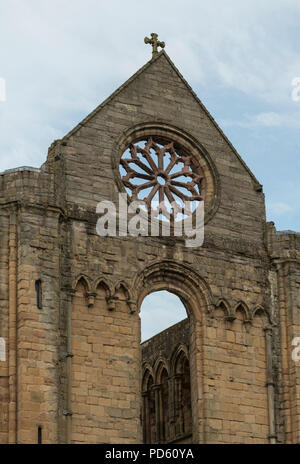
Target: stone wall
x=73, y=367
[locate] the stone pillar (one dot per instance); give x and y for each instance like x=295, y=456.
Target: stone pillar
x=270, y=386
x=12, y=345
x=145, y=418
x=157, y=394
x=178, y=402
x=68, y=411
x=290, y=328
x=172, y=416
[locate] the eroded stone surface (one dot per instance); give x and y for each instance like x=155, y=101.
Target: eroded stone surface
x=73, y=367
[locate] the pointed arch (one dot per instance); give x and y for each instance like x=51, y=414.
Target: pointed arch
x=83, y=279
x=104, y=282
x=260, y=310
x=177, y=278
x=159, y=365
x=178, y=351
x=181, y=358
x=243, y=308
x=126, y=288
x=147, y=375
x=148, y=405
x=223, y=304
x=164, y=407
x=182, y=391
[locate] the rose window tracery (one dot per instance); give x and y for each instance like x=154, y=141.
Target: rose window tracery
x=169, y=180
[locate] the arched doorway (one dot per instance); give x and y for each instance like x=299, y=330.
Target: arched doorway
x=193, y=293
x=164, y=325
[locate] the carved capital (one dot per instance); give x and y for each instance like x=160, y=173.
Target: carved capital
x=156, y=387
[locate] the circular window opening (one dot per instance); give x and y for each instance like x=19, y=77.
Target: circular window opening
x=163, y=175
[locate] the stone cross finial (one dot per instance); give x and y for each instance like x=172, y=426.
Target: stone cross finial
x=155, y=43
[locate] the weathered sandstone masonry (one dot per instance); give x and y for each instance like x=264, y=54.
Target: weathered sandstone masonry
x=73, y=366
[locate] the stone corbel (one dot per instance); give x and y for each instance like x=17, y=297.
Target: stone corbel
x=210, y=315
x=132, y=306
x=111, y=303
x=91, y=298
x=247, y=324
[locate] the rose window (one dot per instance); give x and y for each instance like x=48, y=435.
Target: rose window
x=164, y=176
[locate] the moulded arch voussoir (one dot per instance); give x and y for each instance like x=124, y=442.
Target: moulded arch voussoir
x=177, y=278
x=179, y=351
x=159, y=366
x=122, y=284
x=242, y=306
x=259, y=309
x=85, y=280
x=106, y=284
x=223, y=304
x=147, y=373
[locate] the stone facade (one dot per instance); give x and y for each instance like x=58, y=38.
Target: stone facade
x=69, y=306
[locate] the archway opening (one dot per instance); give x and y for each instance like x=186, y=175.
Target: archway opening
x=159, y=311
x=166, y=385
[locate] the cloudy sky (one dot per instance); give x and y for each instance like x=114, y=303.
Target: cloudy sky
x=159, y=311
x=60, y=58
